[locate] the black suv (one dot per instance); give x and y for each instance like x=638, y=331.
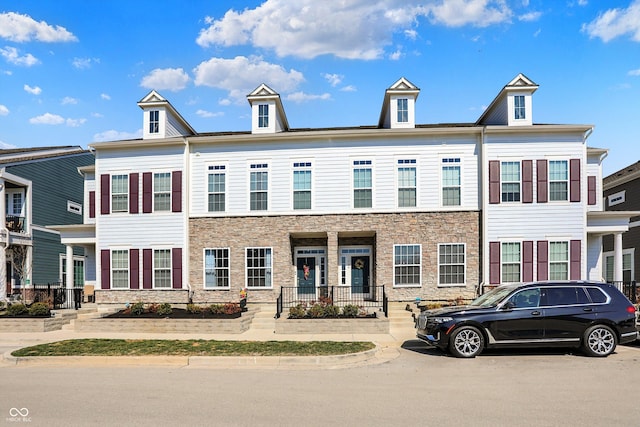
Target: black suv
x=590, y=315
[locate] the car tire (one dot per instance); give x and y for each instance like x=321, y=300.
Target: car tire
x=466, y=342
x=599, y=341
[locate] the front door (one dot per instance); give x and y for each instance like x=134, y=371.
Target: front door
x=360, y=275
x=306, y=273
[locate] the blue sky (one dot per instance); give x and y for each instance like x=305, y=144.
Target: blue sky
x=72, y=72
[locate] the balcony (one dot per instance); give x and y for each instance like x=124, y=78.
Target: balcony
x=15, y=223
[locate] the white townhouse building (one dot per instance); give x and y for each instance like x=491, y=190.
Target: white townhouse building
x=430, y=211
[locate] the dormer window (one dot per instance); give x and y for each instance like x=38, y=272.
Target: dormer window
x=519, y=108
x=403, y=110
x=263, y=116
x=154, y=121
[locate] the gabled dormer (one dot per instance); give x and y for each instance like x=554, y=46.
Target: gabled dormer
x=513, y=105
x=267, y=113
x=161, y=120
x=399, y=106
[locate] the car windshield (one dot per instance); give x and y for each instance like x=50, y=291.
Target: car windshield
x=493, y=297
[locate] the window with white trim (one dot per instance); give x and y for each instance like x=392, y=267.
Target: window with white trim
x=451, y=264
x=403, y=110
x=259, y=187
x=162, y=268
x=510, y=181
x=407, y=265
x=119, y=193
x=519, y=108
x=154, y=121
x=78, y=271
x=302, y=185
x=120, y=269
x=216, y=188
x=216, y=268
x=628, y=273
x=263, y=116
x=407, y=187
x=511, y=262
x=162, y=192
x=362, y=184
x=558, y=180
x=14, y=202
x=558, y=260
x=259, y=265
x=451, y=182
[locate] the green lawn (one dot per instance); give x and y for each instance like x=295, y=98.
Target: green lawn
x=118, y=347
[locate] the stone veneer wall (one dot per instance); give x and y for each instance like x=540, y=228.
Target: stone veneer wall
x=122, y=296
x=428, y=229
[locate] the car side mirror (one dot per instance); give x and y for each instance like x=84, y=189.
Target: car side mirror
x=509, y=305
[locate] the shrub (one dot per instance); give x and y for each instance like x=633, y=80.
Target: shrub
x=332, y=311
x=153, y=307
x=216, y=308
x=164, y=309
x=137, y=309
x=231, y=308
x=194, y=309
x=350, y=310
x=39, y=309
x=317, y=310
x=297, y=312
x=17, y=309
x=2, y=305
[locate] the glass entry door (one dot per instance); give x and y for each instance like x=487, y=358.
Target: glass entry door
x=310, y=272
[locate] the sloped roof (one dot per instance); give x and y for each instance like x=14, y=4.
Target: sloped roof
x=17, y=155
x=625, y=174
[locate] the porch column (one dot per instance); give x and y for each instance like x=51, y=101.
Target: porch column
x=3, y=272
x=333, y=265
x=3, y=244
x=617, y=257
x=69, y=267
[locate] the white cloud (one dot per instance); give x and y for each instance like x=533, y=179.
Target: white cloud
x=634, y=72
x=615, y=23
x=396, y=55
x=23, y=28
x=69, y=100
x=97, y=115
x=74, y=123
x=3, y=110
x=208, y=114
x=6, y=146
x=47, y=119
x=411, y=34
x=105, y=96
x=10, y=54
x=240, y=75
x=357, y=29
x=33, y=90
x=84, y=63
x=299, y=97
x=114, y=135
x=349, y=88
x=333, y=79
x=530, y=17
x=173, y=79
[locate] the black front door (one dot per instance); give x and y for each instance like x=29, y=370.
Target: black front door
x=306, y=273
x=360, y=274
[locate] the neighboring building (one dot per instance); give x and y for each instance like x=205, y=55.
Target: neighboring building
x=621, y=190
x=430, y=211
x=39, y=187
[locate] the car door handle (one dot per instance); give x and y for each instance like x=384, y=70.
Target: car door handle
x=535, y=313
x=587, y=309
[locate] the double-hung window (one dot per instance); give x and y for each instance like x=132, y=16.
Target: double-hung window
x=403, y=110
x=407, y=262
x=451, y=182
x=216, y=268
x=216, y=188
x=519, y=109
x=511, y=262
x=120, y=269
x=628, y=273
x=558, y=180
x=259, y=187
x=302, y=185
x=406, y=183
x=263, y=116
x=162, y=268
x=510, y=181
x=161, y=192
x=451, y=264
x=558, y=260
x=258, y=267
x=119, y=193
x=154, y=121
x=362, y=184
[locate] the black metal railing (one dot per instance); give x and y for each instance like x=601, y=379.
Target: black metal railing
x=375, y=299
x=15, y=223
x=629, y=289
x=56, y=294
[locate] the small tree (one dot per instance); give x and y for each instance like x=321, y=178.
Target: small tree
x=21, y=265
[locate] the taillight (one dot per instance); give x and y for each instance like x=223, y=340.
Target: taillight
x=631, y=309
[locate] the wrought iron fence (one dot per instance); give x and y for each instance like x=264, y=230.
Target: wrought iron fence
x=54, y=293
x=629, y=289
x=375, y=299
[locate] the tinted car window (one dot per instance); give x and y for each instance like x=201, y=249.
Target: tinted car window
x=597, y=296
x=562, y=295
x=582, y=296
x=527, y=298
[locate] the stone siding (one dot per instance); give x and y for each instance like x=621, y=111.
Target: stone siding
x=147, y=296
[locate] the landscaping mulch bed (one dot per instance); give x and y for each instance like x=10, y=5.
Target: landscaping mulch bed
x=176, y=313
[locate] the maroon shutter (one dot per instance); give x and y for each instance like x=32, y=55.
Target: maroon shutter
x=543, y=260
x=105, y=194
x=133, y=193
x=92, y=204
x=591, y=184
x=541, y=166
x=176, y=191
x=527, y=261
x=576, y=255
x=574, y=180
x=494, y=181
x=147, y=268
x=147, y=192
x=527, y=181
x=494, y=263
x=134, y=268
x=105, y=269
x=176, y=268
